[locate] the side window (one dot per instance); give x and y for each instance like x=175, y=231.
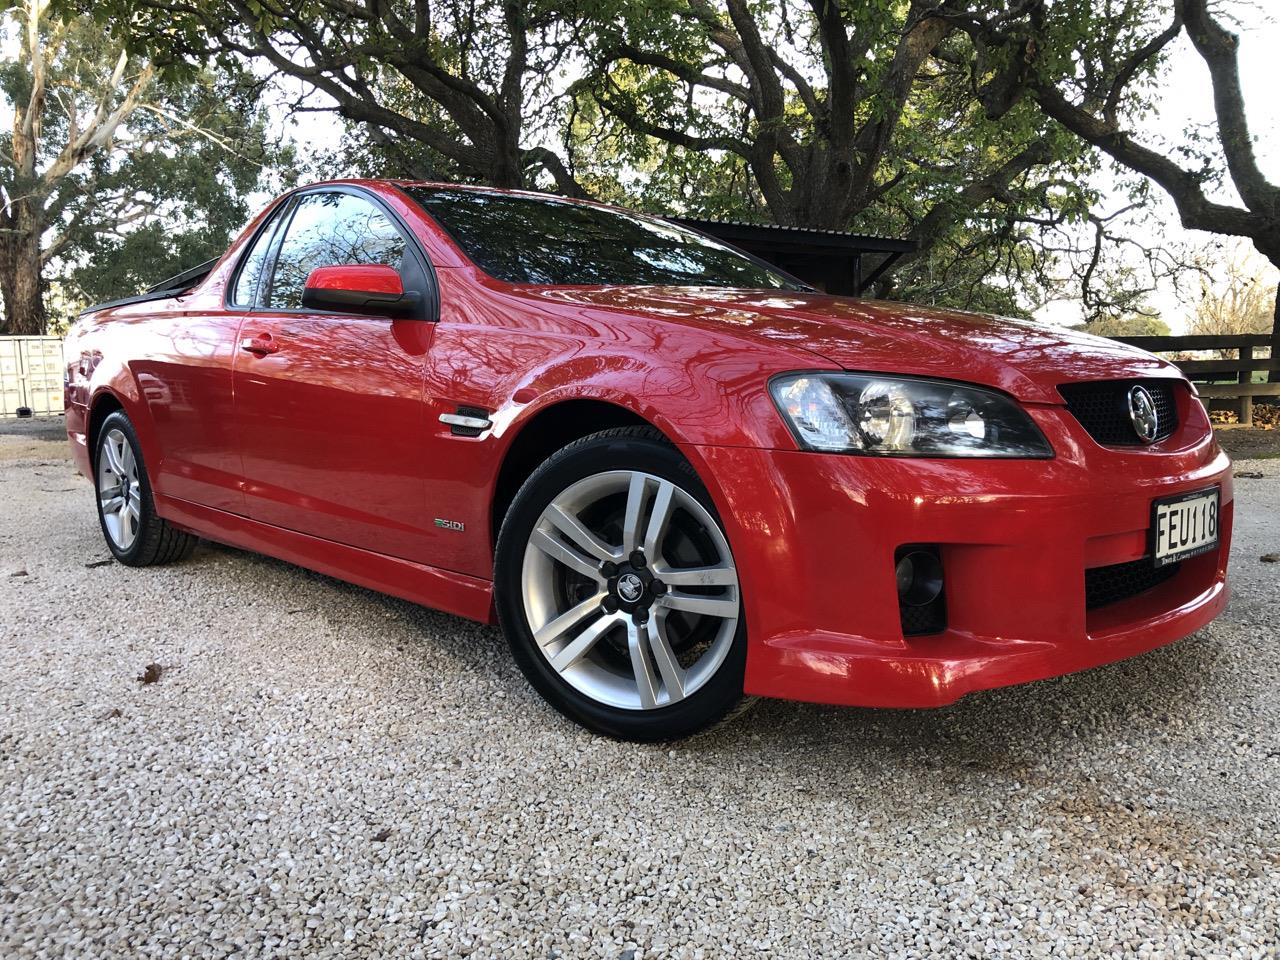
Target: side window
x=245, y=292
x=331, y=229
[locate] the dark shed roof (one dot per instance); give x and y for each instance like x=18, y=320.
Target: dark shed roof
x=832, y=260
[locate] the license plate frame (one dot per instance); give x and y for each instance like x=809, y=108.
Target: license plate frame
x=1203, y=547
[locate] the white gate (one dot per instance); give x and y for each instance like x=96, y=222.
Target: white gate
x=30, y=375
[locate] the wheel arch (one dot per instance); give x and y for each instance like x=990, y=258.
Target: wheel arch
x=115, y=385
x=101, y=406
x=543, y=433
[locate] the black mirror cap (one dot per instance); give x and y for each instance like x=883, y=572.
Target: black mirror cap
x=365, y=302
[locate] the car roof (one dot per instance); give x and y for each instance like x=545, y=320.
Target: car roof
x=403, y=184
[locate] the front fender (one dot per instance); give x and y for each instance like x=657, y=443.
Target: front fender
x=719, y=400
x=496, y=352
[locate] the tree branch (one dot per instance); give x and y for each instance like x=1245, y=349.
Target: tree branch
x=550, y=161
x=689, y=74
x=946, y=213
x=1186, y=189
x=1218, y=48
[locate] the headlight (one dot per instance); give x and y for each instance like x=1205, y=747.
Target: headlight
x=904, y=417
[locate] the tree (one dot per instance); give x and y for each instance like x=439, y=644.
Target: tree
x=464, y=80
x=1239, y=301
x=101, y=150
x=1134, y=325
x=883, y=141
x=27, y=189
x=1091, y=68
x=831, y=115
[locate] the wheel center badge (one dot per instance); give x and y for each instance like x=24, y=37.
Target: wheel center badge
x=1142, y=411
x=630, y=587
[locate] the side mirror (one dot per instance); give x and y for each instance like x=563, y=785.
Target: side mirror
x=371, y=289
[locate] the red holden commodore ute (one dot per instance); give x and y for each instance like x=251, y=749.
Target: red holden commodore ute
x=676, y=476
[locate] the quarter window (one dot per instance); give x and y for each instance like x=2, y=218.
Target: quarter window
x=331, y=229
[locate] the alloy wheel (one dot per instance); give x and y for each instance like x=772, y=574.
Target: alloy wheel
x=119, y=492
x=630, y=590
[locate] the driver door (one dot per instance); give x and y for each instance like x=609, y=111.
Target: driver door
x=329, y=406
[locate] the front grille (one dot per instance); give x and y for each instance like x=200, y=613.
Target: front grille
x=1120, y=581
x=1102, y=407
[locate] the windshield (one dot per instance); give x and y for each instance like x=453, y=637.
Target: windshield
x=549, y=241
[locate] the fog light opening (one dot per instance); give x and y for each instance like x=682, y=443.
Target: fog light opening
x=919, y=576
x=922, y=601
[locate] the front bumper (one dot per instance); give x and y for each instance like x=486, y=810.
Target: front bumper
x=814, y=537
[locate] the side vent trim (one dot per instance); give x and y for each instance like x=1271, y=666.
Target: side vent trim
x=467, y=422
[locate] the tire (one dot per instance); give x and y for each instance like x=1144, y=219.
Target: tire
x=592, y=623
x=135, y=533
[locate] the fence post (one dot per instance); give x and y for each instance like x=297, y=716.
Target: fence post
x=1246, y=376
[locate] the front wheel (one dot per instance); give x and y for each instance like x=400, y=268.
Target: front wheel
x=617, y=589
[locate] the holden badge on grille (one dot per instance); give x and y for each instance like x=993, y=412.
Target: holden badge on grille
x=1142, y=411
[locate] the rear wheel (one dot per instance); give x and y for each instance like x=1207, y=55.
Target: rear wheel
x=617, y=589
x=135, y=533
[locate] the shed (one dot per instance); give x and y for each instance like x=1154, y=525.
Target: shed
x=831, y=260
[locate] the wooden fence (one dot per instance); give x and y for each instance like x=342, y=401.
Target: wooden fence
x=1220, y=381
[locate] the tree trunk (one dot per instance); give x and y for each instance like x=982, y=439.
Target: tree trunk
x=506, y=169
x=20, y=285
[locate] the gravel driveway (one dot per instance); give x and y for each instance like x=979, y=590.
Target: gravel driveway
x=321, y=771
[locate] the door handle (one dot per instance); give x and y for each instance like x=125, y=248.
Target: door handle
x=259, y=346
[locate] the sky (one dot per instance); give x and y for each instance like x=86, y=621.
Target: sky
x=1185, y=101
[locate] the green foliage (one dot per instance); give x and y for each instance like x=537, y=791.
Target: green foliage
x=1133, y=325
x=465, y=80
x=168, y=189
x=198, y=183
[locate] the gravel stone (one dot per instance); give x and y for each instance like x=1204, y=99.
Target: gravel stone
x=325, y=772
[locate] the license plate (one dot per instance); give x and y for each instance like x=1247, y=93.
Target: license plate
x=1184, y=526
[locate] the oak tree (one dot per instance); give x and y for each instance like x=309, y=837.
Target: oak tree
x=832, y=115
x=463, y=80
x=1093, y=68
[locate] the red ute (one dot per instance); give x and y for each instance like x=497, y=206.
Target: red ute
x=672, y=473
